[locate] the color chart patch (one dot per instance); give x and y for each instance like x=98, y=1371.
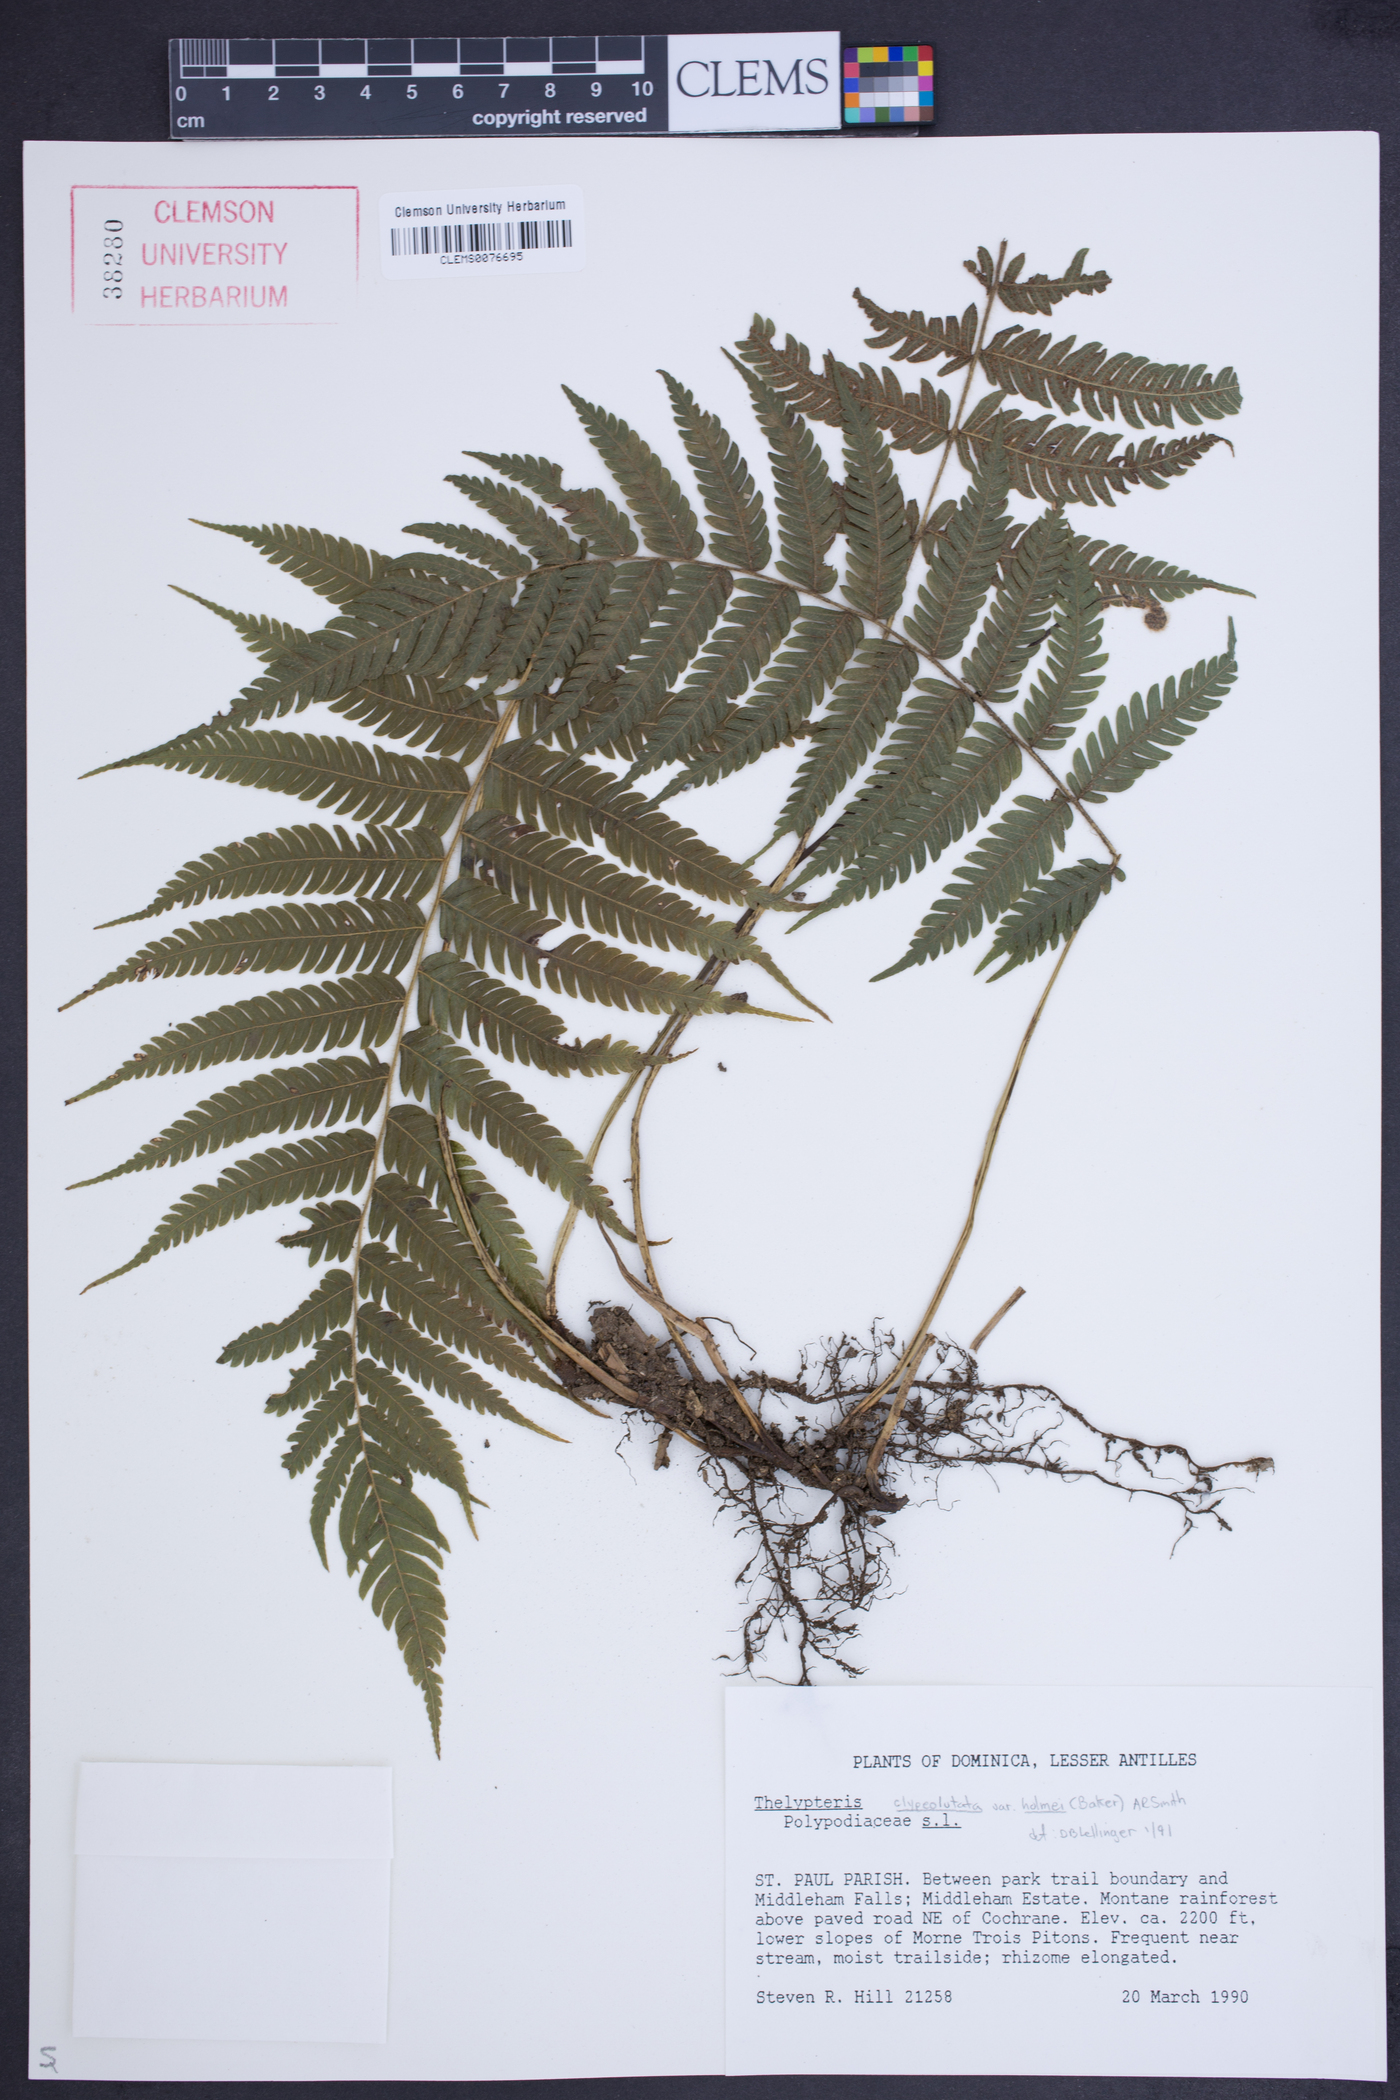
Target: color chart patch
x=888, y=83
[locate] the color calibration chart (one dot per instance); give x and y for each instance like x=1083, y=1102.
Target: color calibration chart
x=887, y=83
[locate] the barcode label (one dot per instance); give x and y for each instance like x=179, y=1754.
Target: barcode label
x=459, y=237
x=446, y=233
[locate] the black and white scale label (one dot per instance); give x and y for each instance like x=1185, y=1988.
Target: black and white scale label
x=486, y=232
x=475, y=87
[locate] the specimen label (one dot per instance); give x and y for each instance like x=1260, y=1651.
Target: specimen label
x=1066, y=1881
x=461, y=233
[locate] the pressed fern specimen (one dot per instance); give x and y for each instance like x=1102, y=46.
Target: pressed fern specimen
x=499, y=722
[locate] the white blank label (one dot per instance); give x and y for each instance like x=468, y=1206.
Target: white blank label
x=232, y=1903
x=232, y=1950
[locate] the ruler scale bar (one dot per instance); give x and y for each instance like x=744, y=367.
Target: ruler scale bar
x=421, y=58
x=573, y=86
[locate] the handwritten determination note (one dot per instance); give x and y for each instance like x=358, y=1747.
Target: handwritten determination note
x=1174, y=1883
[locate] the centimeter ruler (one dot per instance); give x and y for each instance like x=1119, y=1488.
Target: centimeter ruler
x=574, y=86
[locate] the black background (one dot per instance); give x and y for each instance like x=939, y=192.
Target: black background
x=96, y=69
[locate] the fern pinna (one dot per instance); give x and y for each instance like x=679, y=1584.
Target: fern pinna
x=498, y=717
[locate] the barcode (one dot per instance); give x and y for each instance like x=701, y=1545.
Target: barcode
x=482, y=232
x=475, y=236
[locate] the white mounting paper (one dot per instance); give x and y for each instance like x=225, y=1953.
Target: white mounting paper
x=1186, y=1186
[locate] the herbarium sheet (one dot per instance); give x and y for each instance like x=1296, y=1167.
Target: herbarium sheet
x=772, y=745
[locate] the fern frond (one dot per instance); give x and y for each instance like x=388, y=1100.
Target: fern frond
x=382, y=1334
x=605, y=529
x=879, y=542
x=475, y=545
x=963, y=566
x=276, y=937
x=420, y=711
x=757, y=619
x=412, y=1147
x=789, y=372
x=575, y=721
x=925, y=825
x=579, y=801
x=555, y=876
x=1018, y=847
x=559, y=878
x=861, y=709
x=331, y=1234
x=405, y=1428
x=734, y=508
x=433, y=1243
x=821, y=645
x=316, y=1379
x=334, y=568
x=1146, y=732
x=266, y=637
x=1049, y=912
x=402, y=1424
x=912, y=338
x=674, y=637
x=419, y=564
x=913, y=422
x=388, y=1531
x=542, y=477
x=411, y=624
x=545, y=538
x=767, y=721
x=1037, y=294
x=330, y=1484
x=667, y=521
x=1060, y=462
x=578, y=602
x=1020, y=614
x=442, y=1313
x=1072, y=463
x=322, y=1423
x=528, y=618
x=808, y=514
x=366, y=781
x=453, y=996
x=932, y=535
x=374, y=863
x=639, y=589
x=1072, y=674
x=314, y=1166
x=1024, y=361
x=919, y=747
x=329, y=1306
x=434, y=1068
x=282, y=1023
x=1125, y=578
x=581, y=968
x=539, y=622
x=335, y=1090
x=482, y=924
